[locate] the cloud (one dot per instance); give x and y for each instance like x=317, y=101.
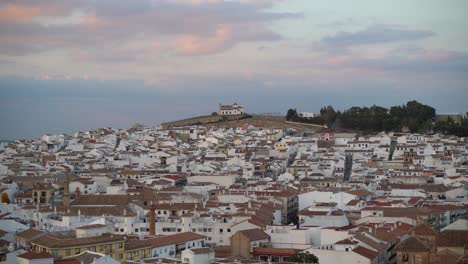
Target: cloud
x=375, y=34
x=190, y=26
x=193, y=45
x=423, y=61
x=21, y=13
x=405, y=60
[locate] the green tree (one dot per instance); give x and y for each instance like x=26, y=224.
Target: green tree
x=291, y=115
x=304, y=257
x=328, y=114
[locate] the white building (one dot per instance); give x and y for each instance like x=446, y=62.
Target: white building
x=306, y=114
x=197, y=256
x=227, y=110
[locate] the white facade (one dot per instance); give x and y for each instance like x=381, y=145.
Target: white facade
x=306, y=114
x=333, y=256
x=191, y=256
x=234, y=109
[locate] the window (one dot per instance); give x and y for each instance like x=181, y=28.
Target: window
x=120, y=245
x=220, y=230
x=68, y=252
x=229, y=230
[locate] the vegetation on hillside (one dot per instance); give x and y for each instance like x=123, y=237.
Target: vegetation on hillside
x=414, y=117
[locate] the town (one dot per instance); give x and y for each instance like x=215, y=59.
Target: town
x=203, y=193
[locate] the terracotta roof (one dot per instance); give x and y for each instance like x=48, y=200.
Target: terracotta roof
x=87, y=257
x=163, y=241
x=370, y=242
x=34, y=255
x=198, y=251
x=423, y=229
x=352, y=202
x=453, y=238
x=30, y=234
x=67, y=261
x=274, y=251
x=413, y=244
x=367, y=253
x=222, y=251
x=312, y=213
x=114, y=199
x=50, y=241
x=177, y=238
x=254, y=234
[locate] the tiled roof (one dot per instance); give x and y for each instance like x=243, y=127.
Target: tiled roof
x=453, y=238
x=254, y=234
x=50, y=241
x=30, y=234
x=274, y=251
x=423, y=229
x=34, y=255
x=367, y=253
x=413, y=244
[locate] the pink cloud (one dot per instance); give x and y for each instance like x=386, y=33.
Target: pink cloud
x=195, y=45
x=25, y=13
x=92, y=20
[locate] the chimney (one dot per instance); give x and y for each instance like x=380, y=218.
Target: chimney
x=77, y=193
x=152, y=221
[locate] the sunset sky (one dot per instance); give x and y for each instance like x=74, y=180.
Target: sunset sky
x=81, y=64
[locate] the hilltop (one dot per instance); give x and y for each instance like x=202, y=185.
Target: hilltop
x=240, y=120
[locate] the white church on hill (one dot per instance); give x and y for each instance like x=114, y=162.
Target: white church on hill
x=234, y=109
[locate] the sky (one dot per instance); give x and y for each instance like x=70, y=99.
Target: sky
x=82, y=64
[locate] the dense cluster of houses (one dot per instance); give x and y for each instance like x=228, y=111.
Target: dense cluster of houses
x=205, y=194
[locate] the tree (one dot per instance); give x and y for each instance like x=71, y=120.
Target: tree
x=304, y=257
x=291, y=115
x=5, y=198
x=328, y=114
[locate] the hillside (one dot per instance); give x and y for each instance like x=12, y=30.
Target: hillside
x=236, y=121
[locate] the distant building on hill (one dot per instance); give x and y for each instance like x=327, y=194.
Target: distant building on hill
x=455, y=117
x=306, y=114
x=227, y=110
